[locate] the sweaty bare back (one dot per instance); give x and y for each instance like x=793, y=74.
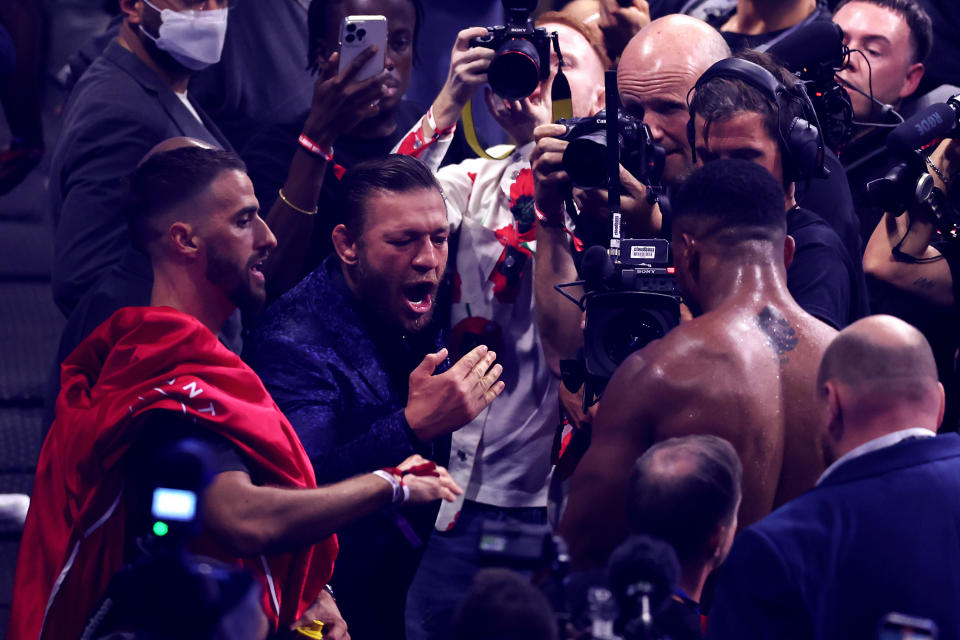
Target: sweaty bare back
x=745, y=372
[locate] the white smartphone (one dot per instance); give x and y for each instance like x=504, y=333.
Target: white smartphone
x=356, y=34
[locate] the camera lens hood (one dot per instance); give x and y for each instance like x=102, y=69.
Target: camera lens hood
x=515, y=70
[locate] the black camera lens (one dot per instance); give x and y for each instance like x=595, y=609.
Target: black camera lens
x=361, y=33
x=351, y=27
x=515, y=70
x=585, y=160
x=350, y=37
x=629, y=332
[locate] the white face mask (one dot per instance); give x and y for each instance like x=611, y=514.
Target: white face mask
x=193, y=38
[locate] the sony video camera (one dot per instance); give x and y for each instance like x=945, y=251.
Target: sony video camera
x=814, y=53
x=169, y=592
x=631, y=297
x=522, y=59
x=634, y=302
x=585, y=157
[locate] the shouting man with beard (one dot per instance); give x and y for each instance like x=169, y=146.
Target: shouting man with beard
x=349, y=355
x=150, y=377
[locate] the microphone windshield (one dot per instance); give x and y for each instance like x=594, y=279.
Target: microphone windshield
x=596, y=267
x=642, y=564
x=819, y=42
x=929, y=124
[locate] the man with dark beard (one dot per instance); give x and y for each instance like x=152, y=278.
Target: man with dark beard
x=151, y=377
x=348, y=355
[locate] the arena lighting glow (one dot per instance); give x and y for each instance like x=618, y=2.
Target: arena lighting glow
x=160, y=528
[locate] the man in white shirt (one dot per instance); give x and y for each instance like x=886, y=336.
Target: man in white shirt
x=502, y=457
x=878, y=534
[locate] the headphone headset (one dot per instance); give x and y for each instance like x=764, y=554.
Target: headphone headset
x=802, y=143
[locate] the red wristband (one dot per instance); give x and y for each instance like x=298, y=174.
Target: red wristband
x=545, y=221
x=438, y=133
x=314, y=148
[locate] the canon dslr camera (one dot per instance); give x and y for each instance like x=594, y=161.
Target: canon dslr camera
x=522, y=60
x=585, y=159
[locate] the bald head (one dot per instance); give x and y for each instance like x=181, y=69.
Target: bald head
x=657, y=69
x=881, y=356
x=676, y=40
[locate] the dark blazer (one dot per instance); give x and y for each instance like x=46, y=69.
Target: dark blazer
x=880, y=534
x=344, y=394
x=118, y=110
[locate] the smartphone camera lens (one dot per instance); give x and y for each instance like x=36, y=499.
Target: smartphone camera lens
x=361, y=33
x=350, y=37
x=351, y=27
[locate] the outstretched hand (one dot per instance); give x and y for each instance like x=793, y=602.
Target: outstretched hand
x=441, y=404
x=430, y=482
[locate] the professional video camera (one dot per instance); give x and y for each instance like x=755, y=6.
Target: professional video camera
x=167, y=592
x=529, y=549
x=585, y=159
x=522, y=57
x=908, y=185
x=630, y=296
x=814, y=53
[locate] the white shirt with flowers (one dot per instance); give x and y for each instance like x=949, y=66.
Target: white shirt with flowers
x=502, y=457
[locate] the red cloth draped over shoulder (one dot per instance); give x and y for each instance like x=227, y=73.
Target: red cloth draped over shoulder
x=143, y=359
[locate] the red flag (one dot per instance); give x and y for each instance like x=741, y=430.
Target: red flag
x=143, y=359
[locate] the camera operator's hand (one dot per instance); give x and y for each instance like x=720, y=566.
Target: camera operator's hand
x=441, y=404
x=431, y=482
x=325, y=609
x=340, y=102
x=468, y=71
x=620, y=24
x=518, y=117
x=550, y=182
x=641, y=218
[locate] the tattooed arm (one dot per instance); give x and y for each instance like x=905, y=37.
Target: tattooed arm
x=921, y=270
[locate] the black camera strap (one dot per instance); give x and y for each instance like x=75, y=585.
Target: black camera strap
x=559, y=100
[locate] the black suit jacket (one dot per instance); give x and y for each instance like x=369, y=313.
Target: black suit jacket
x=881, y=533
x=118, y=110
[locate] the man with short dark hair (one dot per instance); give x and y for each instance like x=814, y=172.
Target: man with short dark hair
x=742, y=369
x=349, y=355
x=355, y=121
x=890, y=40
x=878, y=533
x=750, y=108
x=150, y=377
x=686, y=491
